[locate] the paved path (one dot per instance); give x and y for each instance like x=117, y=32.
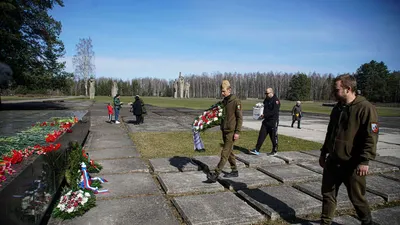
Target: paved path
x=314, y=129
x=274, y=190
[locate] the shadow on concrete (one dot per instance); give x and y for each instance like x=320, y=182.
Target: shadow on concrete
x=33, y=106
x=259, y=197
x=180, y=162
x=244, y=150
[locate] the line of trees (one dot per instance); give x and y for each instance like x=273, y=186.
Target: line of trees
x=374, y=81
x=30, y=46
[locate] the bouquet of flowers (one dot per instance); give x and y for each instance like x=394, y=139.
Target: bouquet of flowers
x=258, y=110
x=210, y=118
x=259, y=105
x=74, y=203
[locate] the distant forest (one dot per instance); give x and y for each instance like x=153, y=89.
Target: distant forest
x=373, y=78
x=374, y=81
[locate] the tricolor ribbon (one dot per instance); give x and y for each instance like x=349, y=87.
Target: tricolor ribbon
x=197, y=142
x=86, y=178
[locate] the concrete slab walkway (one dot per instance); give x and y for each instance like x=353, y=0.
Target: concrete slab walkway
x=270, y=190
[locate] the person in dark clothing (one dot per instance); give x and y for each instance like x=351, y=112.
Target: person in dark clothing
x=144, y=111
x=269, y=125
x=350, y=141
x=137, y=110
x=117, y=107
x=297, y=114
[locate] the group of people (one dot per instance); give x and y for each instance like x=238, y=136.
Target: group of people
x=138, y=109
x=349, y=145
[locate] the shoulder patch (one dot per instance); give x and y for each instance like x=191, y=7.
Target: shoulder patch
x=277, y=102
x=374, y=127
x=238, y=106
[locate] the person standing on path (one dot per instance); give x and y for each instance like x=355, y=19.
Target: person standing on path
x=110, y=112
x=269, y=125
x=144, y=111
x=297, y=114
x=137, y=110
x=231, y=126
x=117, y=107
x=351, y=140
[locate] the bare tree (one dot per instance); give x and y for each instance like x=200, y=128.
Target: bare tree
x=83, y=61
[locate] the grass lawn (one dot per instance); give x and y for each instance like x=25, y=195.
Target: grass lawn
x=204, y=103
x=168, y=144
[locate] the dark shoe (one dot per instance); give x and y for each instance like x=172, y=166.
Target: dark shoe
x=212, y=178
x=200, y=150
x=273, y=153
x=298, y=128
x=232, y=174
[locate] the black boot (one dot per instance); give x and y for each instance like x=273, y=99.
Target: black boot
x=292, y=123
x=298, y=124
x=212, y=178
x=234, y=173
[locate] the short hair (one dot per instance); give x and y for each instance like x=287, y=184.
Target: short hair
x=348, y=81
x=225, y=85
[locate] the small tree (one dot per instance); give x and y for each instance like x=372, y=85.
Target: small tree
x=299, y=87
x=83, y=61
x=372, y=80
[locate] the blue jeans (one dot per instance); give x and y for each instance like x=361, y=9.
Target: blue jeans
x=116, y=110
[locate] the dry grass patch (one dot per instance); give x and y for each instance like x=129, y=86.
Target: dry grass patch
x=168, y=144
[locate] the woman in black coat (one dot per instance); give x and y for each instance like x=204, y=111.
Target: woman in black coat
x=137, y=110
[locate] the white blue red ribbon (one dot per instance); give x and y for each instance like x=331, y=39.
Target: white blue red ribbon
x=86, y=181
x=197, y=142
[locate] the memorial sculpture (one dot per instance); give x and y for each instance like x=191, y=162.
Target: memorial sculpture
x=92, y=89
x=114, y=89
x=175, y=88
x=187, y=88
x=181, y=85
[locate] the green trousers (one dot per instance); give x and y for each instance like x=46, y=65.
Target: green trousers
x=333, y=176
x=227, y=153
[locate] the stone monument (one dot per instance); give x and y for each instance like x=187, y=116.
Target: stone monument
x=187, y=88
x=92, y=89
x=114, y=89
x=181, y=85
x=175, y=88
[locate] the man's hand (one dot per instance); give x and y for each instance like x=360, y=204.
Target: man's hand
x=362, y=170
x=262, y=116
x=322, y=159
x=235, y=136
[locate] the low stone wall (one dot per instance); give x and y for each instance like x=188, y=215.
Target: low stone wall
x=27, y=195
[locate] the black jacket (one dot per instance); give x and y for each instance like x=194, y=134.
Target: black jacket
x=271, y=111
x=137, y=108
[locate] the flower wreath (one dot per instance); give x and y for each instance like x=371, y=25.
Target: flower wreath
x=210, y=118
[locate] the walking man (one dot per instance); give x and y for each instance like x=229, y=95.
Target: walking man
x=351, y=141
x=297, y=114
x=230, y=127
x=269, y=125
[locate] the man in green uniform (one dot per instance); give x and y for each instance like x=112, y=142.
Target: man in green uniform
x=230, y=127
x=350, y=142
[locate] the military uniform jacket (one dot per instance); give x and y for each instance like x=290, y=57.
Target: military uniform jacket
x=352, y=132
x=232, y=120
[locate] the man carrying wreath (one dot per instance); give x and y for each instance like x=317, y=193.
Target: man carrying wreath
x=231, y=125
